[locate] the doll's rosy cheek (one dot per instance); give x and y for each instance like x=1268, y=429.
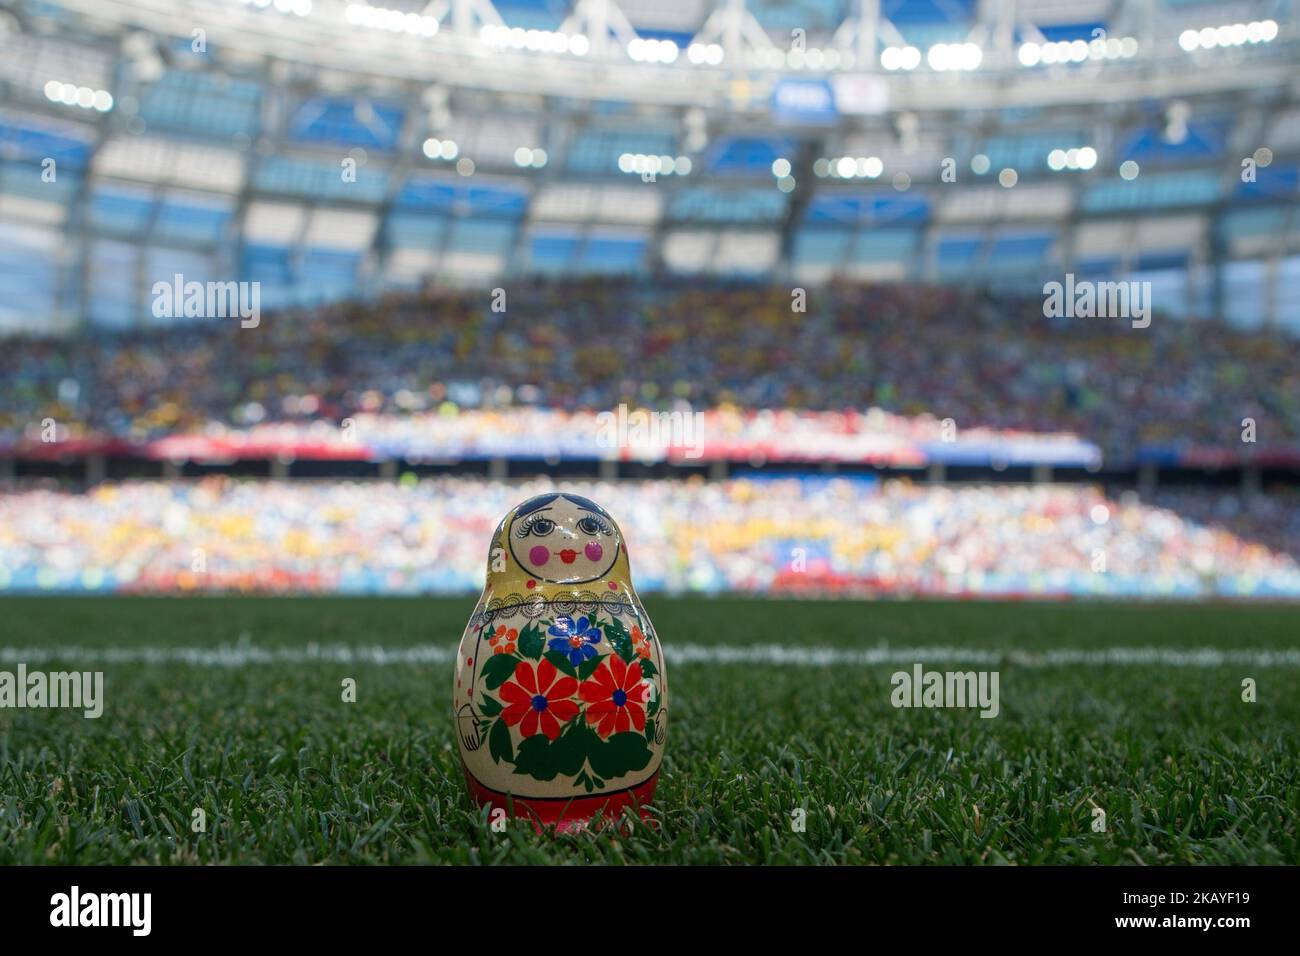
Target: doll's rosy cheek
x=593, y=551
x=539, y=555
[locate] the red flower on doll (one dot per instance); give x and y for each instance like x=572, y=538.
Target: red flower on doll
x=535, y=700
x=616, y=696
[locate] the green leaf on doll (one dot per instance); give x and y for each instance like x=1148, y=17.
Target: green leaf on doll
x=499, y=745
x=498, y=669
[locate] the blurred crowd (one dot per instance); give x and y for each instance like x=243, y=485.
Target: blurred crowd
x=812, y=535
x=984, y=360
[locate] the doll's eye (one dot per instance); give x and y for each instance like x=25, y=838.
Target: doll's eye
x=590, y=524
x=535, y=524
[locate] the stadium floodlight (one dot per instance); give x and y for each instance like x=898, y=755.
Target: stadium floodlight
x=641, y=164
x=1076, y=51
x=652, y=51
x=781, y=167
x=1228, y=35
x=900, y=58
x=847, y=167
x=955, y=57
x=69, y=94
x=534, y=41
x=1082, y=157
x=704, y=54
x=298, y=8
x=392, y=21
x=441, y=149
x=526, y=157
x=1128, y=170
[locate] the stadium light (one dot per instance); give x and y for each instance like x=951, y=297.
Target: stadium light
x=1231, y=34
x=848, y=167
x=525, y=157
x=298, y=8
x=704, y=54
x=652, y=51
x=69, y=94
x=534, y=41
x=954, y=57
x=393, y=21
x=900, y=58
x=441, y=149
x=641, y=164
x=1085, y=157
x=813, y=58
x=1076, y=51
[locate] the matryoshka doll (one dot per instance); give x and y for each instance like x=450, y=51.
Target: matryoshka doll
x=561, y=704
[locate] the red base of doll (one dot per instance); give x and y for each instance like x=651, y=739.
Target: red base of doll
x=564, y=813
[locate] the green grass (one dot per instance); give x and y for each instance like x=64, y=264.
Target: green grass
x=287, y=773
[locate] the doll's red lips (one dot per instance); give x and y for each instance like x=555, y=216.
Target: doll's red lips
x=568, y=556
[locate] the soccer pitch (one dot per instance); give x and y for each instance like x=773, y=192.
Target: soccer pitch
x=1121, y=736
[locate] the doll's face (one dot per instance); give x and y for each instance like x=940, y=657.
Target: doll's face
x=564, y=539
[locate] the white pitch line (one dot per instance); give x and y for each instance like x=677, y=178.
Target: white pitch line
x=246, y=654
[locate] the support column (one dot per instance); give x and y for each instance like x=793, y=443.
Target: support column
x=1147, y=480
x=96, y=469
x=1251, y=481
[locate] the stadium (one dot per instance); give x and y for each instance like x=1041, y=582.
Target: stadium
x=890, y=331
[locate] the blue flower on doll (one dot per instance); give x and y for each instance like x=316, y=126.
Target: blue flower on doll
x=575, y=640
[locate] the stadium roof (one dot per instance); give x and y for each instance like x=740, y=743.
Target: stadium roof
x=325, y=148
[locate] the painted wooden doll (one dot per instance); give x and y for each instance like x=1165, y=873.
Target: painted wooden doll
x=561, y=703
